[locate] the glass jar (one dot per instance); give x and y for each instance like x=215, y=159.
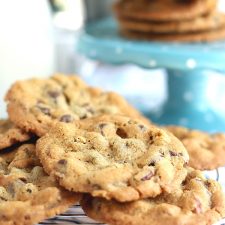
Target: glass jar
x=26, y=42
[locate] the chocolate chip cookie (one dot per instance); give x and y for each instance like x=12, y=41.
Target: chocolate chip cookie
x=196, y=202
x=206, y=151
x=36, y=104
x=27, y=194
x=156, y=10
x=10, y=134
x=210, y=21
x=114, y=157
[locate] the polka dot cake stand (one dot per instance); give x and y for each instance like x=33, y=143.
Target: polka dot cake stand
x=191, y=71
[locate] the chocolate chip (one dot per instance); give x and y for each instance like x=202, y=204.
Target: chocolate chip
x=184, y=182
x=45, y=110
x=101, y=126
x=122, y=133
x=207, y=184
x=62, y=162
x=66, y=118
x=29, y=190
x=142, y=127
x=54, y=94
x=173, y=153
x=148, y=176
x=90, y=110
x=3, y=199
x=83, y=117
x=27, y=217
x=23, y=179
x=152, y=163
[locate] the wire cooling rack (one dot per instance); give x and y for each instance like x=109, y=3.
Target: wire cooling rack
x=74, y=215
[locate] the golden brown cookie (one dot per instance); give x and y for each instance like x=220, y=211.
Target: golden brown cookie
x=114, y=157
x=27, y=194
x=197, y=201
x=211, y=21
x=204, y=36
x=10, y=134
x=36, y=104
x=206, y=151
x=155, y=10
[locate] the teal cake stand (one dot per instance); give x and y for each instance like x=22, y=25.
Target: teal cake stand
x=191, y=71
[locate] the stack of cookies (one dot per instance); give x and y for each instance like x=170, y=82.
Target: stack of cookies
x=66, y=142
x=170, y=20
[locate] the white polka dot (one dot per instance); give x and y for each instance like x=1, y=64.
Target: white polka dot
x=119, y=50
x=208, y=118
x=183, y=121
x=188, y=96
x=152, y=63
x=93, y=53
x=191, y=63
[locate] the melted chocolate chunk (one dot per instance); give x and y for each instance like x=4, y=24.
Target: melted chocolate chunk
x=152, y=163
x=122, y=133
x=62, y=162
x=29, y=190
x=23, y=179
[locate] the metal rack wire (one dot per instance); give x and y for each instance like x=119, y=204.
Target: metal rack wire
x=74, y=215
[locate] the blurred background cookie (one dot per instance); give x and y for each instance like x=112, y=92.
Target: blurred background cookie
x=166, y=10
x=210, y=21
x=206, y=151
x=10, y=134
x=170, y=20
